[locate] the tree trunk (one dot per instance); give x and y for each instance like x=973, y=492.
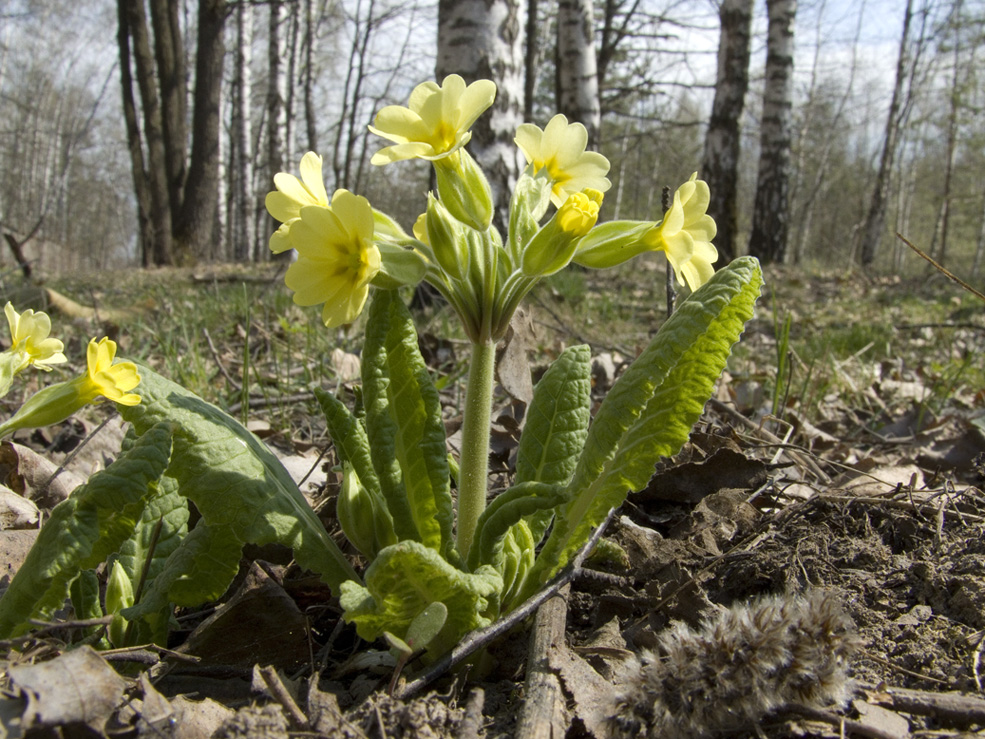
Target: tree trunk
x=875, y=221
x=577, y=74
x=240, y=206
x=308, y=76
x=531, y=54
x=276, y=98
x=155, y=174
x=952, y=132
x=481, y=39
x=771, y=211
x=169, y=52
x=720, y=168
x=134, y=144
x=195, y=230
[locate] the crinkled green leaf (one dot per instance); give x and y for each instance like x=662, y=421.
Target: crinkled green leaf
x=556, y=427
x=406, y=578
x=504, y=511
x=171, y=509
x=420, y=439
x=84, y=530
x=650, y=410
x=362, y=510
x=381, y=428
x=557, y=420
x=242, y=491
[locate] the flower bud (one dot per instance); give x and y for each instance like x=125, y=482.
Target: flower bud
x=446, y=237
x=364, y=520
x=531, y=197
x=552, y=247
x=464, y=189
x=119, y=595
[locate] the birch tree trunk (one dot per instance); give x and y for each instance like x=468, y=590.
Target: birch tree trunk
x=577, y=71
x=720, y=168
x=240, y=204
x=481, y=39
x=276, y=96
x=874, y=226
x=771, y=221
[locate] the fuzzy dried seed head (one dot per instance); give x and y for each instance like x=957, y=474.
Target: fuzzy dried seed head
x=741, y=664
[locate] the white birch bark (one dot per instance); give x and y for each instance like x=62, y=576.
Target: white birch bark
x=481, y=39
x=577, y=71
x=720, y=168
x=771, y=218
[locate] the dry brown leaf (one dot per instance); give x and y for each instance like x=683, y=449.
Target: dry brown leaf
x=16, y=511
x=76, y=687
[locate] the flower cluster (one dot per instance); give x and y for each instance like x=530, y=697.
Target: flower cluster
x=344, y=246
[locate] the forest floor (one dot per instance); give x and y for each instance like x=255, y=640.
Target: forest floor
x=843, y=453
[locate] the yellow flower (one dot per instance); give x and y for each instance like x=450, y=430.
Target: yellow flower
x=580, y=212
x=337, y=257
x=559, y=150
x=112, y=381
x=29, y=338
x=685, y=234
x=292, y=195
x=57, y=402
x=436, y=122
x=552, y=247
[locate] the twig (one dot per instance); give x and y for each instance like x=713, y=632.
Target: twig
x=845, y=725
x=479, y=638
x=543, y=714
x=262, y=401
x=796, y=456
x=276, y=687
x=222, y=367
x=886, y=663
x=949, y=708
x=470, y=727
x=976, y=662
x=940, y=268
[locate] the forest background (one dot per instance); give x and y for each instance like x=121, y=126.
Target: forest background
x=147, y=133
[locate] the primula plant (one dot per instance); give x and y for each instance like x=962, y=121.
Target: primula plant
x=442, y=557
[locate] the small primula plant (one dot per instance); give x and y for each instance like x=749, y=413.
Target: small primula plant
x=443, y=558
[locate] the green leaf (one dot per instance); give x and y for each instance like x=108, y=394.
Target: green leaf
x=420, y=440
x=503, y=512
x=242, y=491
x=362, y=510
x=406, y=578
x=381, y=428
x=83, y=531
x=556, y=427
x=650, y=410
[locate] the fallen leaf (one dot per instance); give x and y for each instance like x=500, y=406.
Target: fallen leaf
x=76, y=687
x=16, y=511
x=260, y=623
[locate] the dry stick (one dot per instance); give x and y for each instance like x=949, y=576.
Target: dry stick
x=470, y=727
x=976, y=661
x=845, y=725
x=475, y=640
x=940, y=268
x=222, y=367
x=276, y=687
x=949, y=708
x=797, y=457
x=543, y=714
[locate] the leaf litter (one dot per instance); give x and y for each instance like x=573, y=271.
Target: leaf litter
x=863, y=483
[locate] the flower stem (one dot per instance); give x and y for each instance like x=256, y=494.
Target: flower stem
x=474, y=462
